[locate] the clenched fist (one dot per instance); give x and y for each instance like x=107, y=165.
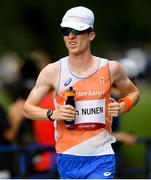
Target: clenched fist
x=115, y=108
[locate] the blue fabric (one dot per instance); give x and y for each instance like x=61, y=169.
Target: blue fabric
x=86, y=167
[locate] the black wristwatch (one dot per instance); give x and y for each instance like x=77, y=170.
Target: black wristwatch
x=49, y=114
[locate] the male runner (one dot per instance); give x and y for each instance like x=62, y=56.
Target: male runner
x=85, y=150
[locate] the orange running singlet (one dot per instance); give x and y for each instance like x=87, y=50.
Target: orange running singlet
x=91, y=135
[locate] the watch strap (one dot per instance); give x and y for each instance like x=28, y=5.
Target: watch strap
x=49, y=114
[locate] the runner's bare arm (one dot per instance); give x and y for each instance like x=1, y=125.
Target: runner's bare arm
x=43, y=85
x=46, y=82
x=124, y=85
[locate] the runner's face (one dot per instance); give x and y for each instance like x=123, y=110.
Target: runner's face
x=76, y=44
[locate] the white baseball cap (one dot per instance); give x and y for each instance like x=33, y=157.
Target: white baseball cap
x=79, y=18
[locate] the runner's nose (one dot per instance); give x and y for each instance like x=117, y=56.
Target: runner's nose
x=72, y=35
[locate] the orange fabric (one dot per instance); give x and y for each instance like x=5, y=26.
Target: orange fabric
x=44, y=163
x=44, y=134
x=99, y=82
x=128, y=102
x=44, y=130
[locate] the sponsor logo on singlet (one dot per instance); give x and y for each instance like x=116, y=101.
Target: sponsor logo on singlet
x=68, y=81
x=89, y=93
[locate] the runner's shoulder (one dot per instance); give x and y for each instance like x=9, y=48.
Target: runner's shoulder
x=115, y=66
x=51, y=68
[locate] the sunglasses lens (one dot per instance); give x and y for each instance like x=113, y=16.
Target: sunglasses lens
x=66, y=31
x=75, y=32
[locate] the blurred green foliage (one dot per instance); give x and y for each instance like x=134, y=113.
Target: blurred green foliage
x=139, y=118
x=27, y=25
x=138, y=122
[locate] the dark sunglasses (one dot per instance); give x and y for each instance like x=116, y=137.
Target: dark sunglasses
x=67, y=31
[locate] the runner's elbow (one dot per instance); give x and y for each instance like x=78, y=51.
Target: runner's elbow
x=26, y=111
x=138, y=95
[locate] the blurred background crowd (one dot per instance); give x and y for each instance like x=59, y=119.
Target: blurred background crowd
x=30, y=38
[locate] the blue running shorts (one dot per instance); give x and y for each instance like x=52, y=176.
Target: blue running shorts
x=86, y=167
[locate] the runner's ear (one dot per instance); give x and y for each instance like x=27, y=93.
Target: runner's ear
x=92, y=35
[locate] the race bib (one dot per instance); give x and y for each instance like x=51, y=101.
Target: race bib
x=90, y=112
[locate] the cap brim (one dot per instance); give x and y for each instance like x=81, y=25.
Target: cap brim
x=80, y=26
